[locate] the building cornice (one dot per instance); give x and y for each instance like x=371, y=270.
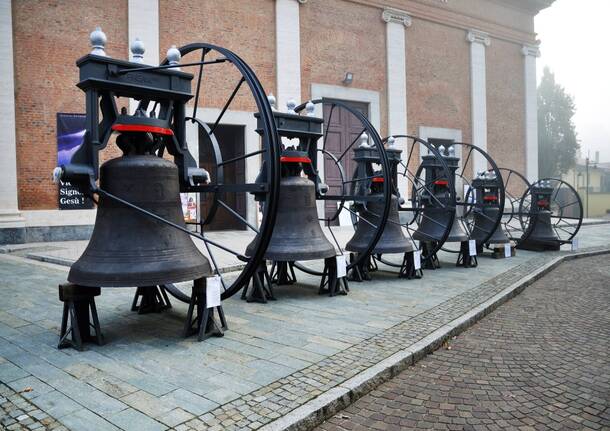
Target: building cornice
x=397, y=16
x=532, y=6
x=451, y=18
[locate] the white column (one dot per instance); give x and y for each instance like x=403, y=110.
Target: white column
x=396, y=53
x=143, y=23
x=9, y=205
x=478, y=97
x=287, y=52
x=531, y=112
x=396, y=61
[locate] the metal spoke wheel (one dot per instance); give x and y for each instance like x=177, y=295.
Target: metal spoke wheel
x=477, y=175
x=516, y=223
x=233, y=184
x=564, y=205
x=423, y=185
x=348, y=182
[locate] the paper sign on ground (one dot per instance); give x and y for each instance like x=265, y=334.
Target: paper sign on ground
x=341, y=266
x=417, y=259
x=472, y=247
x=212, y=292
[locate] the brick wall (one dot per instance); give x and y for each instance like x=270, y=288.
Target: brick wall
x=338, y=36
x=438, y=78
x=245, y=27
x=49, y=36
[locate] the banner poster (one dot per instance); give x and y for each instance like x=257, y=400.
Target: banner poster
x=70, y=135
x=189, y=206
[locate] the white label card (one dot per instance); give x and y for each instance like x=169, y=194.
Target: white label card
x=575, y=244
x=341, y=266
x=417, y=259
x=472, y=247
x=212, y=292
x=507, y=250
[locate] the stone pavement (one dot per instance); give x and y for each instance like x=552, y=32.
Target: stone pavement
x=539, y=362
x=275, y=358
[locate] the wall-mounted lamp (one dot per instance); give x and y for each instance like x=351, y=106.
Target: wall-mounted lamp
x=349, y=78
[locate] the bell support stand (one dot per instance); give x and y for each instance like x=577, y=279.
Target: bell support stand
x=479, y=199
x=397, y=237
x=140, y=238
x=555, y=214
x=313, y=180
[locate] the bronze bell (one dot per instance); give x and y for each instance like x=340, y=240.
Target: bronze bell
x=392, y=239
x=128, y=248
x=434, y=221
x=486, y=210
x=498, y=236
x=541, y=235
x=457, y=232
x=297, y=234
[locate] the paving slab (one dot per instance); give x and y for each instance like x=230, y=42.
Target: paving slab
x=275, y=358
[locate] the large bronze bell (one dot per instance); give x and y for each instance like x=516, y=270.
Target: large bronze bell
x=542, y=235
x=297, y=234
x=128, y=248
x=392, y=239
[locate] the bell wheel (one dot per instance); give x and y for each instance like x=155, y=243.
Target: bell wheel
x=422, y=182
x=347, y=168
x=238, y=179
x=516, y=216
x=561, y=202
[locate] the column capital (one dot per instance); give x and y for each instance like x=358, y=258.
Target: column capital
x=532, y=50
x=396, y=15
x=475, y=36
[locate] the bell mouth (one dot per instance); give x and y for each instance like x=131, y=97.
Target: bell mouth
x=123, y=275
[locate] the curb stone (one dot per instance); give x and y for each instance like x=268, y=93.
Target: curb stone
x=338, y=398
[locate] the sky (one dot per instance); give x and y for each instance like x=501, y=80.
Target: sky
x=575, y=45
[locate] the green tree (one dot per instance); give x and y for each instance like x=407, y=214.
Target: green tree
x=557, y=143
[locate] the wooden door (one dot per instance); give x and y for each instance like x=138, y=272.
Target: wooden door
x=343, y=129
x=231, y=141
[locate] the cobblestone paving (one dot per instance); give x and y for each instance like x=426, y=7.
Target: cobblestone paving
x=17, y=413
x=541, y=361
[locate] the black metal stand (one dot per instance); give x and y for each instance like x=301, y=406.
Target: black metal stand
x=330, y=283
x=464, y=258
x=78, y=300
x=283, y=273
x=203, y=323
x=430, y=261
x=360, y=272
x=153, y=299
x=260, y=290
x=407, y=269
